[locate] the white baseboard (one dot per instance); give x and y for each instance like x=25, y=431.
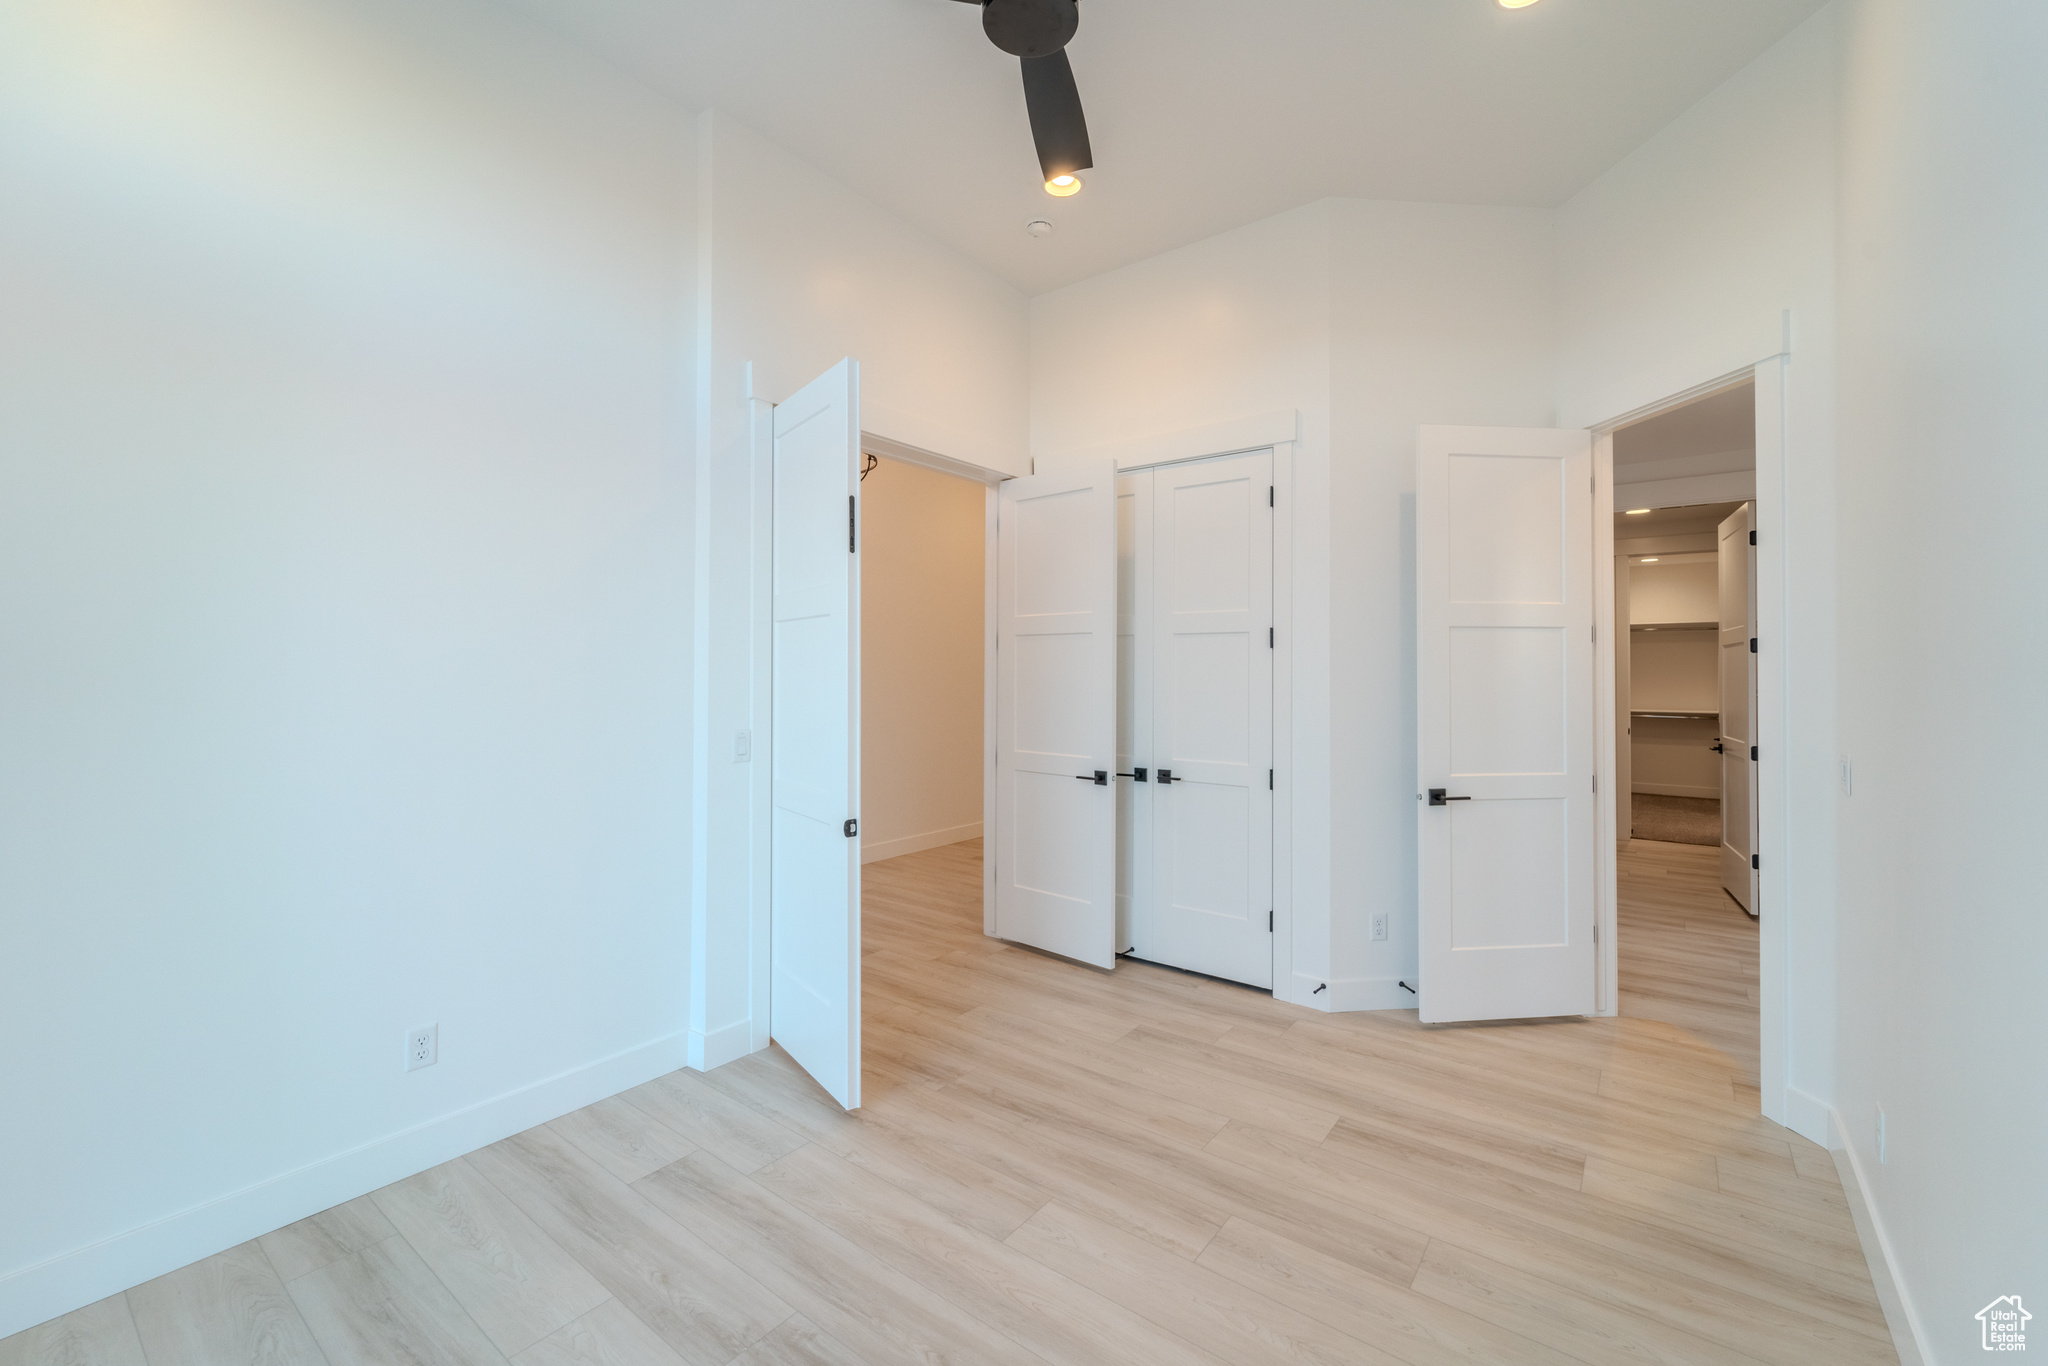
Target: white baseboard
x=1367, y=993
x=1812, y=1118
x=1677, y=790
x=917, y=844
x=71, y=1280
x=1907, y=1339
x=727, y=1043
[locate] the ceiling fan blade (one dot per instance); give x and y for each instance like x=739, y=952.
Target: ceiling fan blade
x=1057, y=124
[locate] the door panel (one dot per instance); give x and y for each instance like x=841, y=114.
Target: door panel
x=1056, y=647
x=1504, y=631
x=814, y=895
x=1737, y=560
x=1211, y=688
x=1133, y=697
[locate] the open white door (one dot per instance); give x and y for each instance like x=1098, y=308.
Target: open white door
x=814, y=897
x=1737, y=560
x=1504, y=642
x=1056, y=640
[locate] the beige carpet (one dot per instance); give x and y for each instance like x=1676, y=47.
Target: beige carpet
x=1677, y=820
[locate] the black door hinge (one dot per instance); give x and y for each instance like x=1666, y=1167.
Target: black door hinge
x=1752, y=753
x=1269, y=922
x=1752, y=644
x=849, y=525
x=852, y=828
x=1269, y=637
x=1269, y=495
x=1269, y=780
x=1756, y=860
x=1752, y=538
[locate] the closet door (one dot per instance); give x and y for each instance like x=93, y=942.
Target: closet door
x=1056, y=712
x=1133, y=698
x=1211, y=686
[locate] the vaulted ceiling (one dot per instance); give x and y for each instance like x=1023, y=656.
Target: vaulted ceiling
x=1204, y=115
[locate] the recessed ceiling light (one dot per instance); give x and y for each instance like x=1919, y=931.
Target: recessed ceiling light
x=1063, y=185
x=1038, y=227
x=1516, y=4
x=1635, y=512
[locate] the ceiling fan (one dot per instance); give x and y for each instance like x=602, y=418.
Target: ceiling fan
x=1036, y=32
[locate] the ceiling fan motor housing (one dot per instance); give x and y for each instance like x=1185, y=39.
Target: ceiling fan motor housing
x=1030, y=28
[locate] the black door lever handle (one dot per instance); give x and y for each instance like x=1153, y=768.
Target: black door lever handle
x=1139, y=774
x=1437, y=797
x=1166, y=776
x=1101, y=778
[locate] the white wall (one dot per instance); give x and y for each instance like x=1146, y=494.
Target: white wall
x=1674, y=592
x=1368, y=319
x=1441, y=313
x=1944, y=946
x=922, y=567
x=1675, y=268
x=796, y=271
x=344, y=610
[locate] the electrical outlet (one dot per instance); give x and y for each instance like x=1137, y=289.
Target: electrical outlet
x=1880, y=1136
x=1379, y=927
x=743, y=747
x=422, y=1047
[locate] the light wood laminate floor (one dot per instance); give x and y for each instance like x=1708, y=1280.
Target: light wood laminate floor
x=1058, y=1165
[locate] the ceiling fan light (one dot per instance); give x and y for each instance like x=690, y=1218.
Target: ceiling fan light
x=1063, y=185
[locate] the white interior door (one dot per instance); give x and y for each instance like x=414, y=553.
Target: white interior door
x=814, y=895
x=1133, y=698
x=1211, y=752
x=1738, y=707
x=1056, y=642
x=1504, y=641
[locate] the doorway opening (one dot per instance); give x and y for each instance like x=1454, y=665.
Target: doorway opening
x=1685, y=746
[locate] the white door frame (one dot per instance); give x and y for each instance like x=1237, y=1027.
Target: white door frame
x=1773, y=775
x=1278, y=432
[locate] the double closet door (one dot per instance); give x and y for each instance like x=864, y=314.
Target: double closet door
x=1194, y=724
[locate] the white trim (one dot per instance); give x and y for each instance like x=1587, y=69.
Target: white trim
x=722, y=1045
x=1774, y=774
x=873, y=443
x=1676, y=790
x=1360, y=993
x=1734, y=379
x=1234, y=437
x=1607, y=758
x=1773, y=796
x=1284, y=759
x=990, y=569
x=1736, y=486
x=1810, y=1118
x=761, y=705
x=88, y=1274
x=1907, y=1338
x=917, y=844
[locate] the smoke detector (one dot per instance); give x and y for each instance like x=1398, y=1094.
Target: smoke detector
x=1038, y=227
